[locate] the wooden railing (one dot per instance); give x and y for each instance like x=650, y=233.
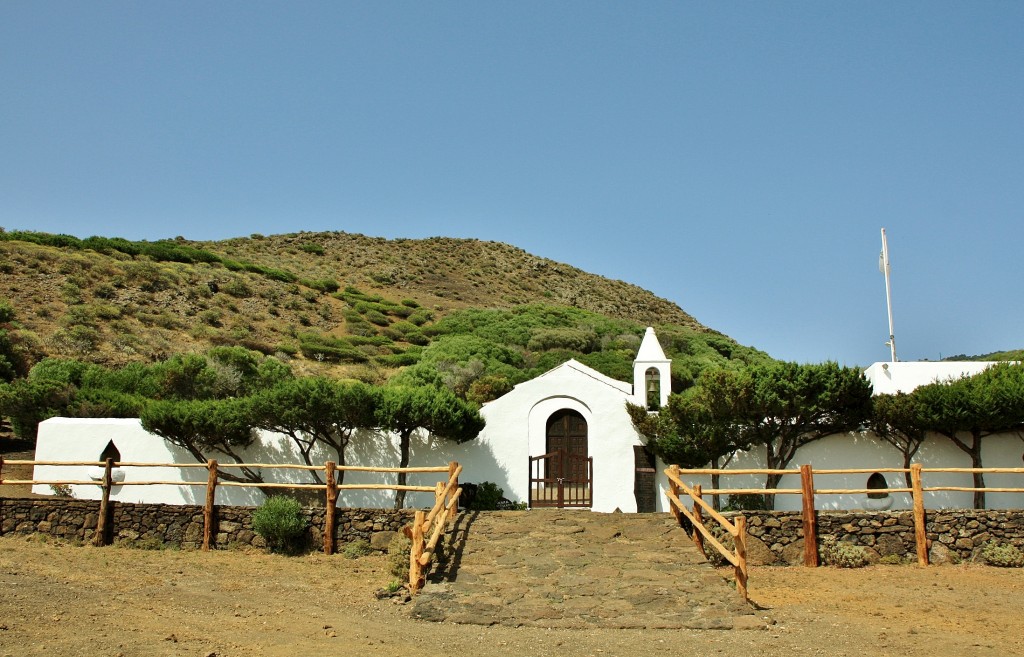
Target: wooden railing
x=737, y=529
x=440, y=517
x=807, y=491
x=445, y=503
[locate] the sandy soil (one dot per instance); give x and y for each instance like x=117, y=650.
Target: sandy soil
x=60, y=599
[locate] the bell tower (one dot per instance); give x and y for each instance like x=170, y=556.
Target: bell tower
x=652, y=373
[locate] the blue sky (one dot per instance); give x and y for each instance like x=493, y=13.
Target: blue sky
x=737, y=158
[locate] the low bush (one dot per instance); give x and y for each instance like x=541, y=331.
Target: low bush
x=357, y=548
x=487, y=496
x=842, y=554
x=1002, y=555
x=746, y=503
x=399, y=550
x=281, y=524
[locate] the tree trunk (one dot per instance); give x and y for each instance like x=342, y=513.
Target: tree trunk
x=979, y=477
x=974, y=451
x=906, y=466
x=403, y=463
x=771, y=482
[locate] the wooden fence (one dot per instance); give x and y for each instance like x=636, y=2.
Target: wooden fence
x=446, y=506
x=807, y=491
x=446, y=495
x=738, y=529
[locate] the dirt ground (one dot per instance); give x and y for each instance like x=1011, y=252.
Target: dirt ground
x=61, y=599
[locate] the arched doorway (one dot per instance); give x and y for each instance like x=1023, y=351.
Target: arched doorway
x=563, y=475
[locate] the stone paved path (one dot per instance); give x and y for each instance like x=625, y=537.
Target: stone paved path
x=573, y=568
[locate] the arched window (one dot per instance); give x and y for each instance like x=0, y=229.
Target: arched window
x=877, y=483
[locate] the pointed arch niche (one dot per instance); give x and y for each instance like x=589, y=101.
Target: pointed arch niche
x=110, y=452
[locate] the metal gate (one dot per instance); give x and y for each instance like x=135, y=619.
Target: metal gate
x=561, y=479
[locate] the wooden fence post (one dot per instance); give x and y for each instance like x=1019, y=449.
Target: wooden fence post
x=452, y=467
x=208, y=508
x=332, y=503
x=415, y=552
x=741, y=556
x=101, y=521
x=809, y=517
x=698, y=515
x=674, y=489
x=2, y=469
x=920, y=530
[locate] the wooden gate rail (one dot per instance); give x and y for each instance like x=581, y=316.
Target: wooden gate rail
x=808, y=491
x=212, y=483
x=738, y=531
x=446, y=506
x=542, y=483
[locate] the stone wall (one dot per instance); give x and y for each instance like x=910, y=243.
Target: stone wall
x=182, y=526
x=778, y=535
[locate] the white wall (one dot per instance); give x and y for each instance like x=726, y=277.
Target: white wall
x=77, y=439
x=904, y=376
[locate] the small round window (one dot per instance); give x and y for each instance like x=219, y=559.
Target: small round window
x=877, y=483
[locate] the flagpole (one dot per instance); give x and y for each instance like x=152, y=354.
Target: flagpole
x=884, y=265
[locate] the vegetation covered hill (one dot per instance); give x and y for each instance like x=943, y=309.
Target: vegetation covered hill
x=338, y=304
x=1013, y=354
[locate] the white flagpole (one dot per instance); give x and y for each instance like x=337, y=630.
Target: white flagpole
x=883, y=264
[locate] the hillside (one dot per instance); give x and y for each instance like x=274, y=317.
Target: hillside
x=1013, y=354
x=332, y=303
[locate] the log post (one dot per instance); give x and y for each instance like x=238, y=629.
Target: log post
x=439, y=494
x=415, y=552
x=809, y=517
x=920, y=530
x=100, y=538
x=452, y=467
x=698, y=516
x=2, y=470
x=208, y=508
x=332, y=504
x=673, y=488
x=741, y=556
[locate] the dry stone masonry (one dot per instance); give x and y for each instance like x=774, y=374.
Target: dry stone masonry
x=182, y=526
x=778, y=535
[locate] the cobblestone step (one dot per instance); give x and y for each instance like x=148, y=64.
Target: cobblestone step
x=574, y=568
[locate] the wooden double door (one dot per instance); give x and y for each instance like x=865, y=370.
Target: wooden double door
x=563, y=476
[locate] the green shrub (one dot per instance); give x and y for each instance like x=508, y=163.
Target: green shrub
x=309, y=247
x=1002, y=555
x=746, y=503
x=377, y=317
x=326, y=285
x=357, y=548
x=487, y=496
x=281, y=524
x=237, y=288
x=891, y=560
x=842, y=554
x=399, y=550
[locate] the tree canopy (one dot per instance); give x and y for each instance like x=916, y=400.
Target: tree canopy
x=404, y=409
x=782, y=406
x=968, y=410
